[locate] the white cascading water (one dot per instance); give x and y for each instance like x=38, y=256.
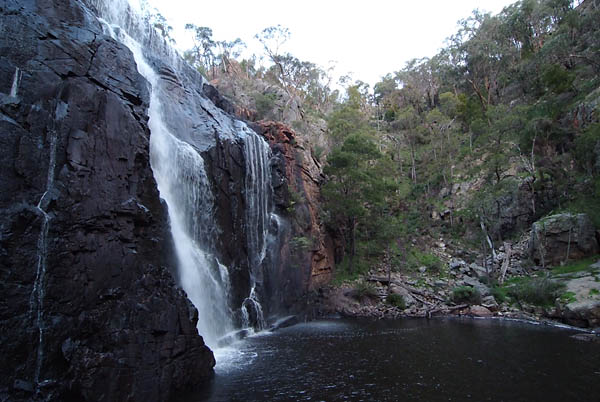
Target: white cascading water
x=257, y=193
x=15, y=85
x=180, y=175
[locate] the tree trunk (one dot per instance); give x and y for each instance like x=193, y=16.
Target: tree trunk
x=352, y=245
x=413, y=168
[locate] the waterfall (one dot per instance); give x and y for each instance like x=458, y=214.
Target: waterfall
x=15, y=85
x=182, y=182
x=257, y=193
x=178, y=136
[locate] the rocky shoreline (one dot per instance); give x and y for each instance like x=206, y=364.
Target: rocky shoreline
x=458, y=285
x=331, y=307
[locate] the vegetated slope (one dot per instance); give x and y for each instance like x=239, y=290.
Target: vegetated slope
x=472, y=145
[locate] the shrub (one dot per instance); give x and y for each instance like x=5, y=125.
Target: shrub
x=265, y=103
x=344, y=272
x=396, y=300
x=499, y=294
x=466, y=294
x=575, y=266
x=586, y=149
x=301, y=243
x=416, y=259
x=365, y=290
x=568, y=297
x=538, y=291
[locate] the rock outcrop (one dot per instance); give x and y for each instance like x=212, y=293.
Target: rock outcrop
x=89, y=309
x=584, y=311
x=297, y=193
x=556, y=238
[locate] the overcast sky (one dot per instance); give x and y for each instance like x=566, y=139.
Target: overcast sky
x=369, y=38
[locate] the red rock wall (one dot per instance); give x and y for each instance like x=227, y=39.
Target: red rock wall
x=301, y=193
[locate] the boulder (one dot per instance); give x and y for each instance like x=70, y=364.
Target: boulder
x=474, y=283
x=584, y=310
x=556, y=238
x=409, y=300
x=456, y=263
x=490, y=303
x=477, y=270
x=479, y=311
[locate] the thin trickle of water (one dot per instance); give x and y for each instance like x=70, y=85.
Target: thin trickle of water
x=36, y=299
x=252, y=312
x=15, y=85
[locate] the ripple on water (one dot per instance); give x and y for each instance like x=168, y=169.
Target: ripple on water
x=417, y=360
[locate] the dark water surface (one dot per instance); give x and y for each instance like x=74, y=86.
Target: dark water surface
x=408, y=360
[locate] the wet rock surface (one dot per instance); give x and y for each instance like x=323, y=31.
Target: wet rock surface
x=89, y=310
x=307, y=255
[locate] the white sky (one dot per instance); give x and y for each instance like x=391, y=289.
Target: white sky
x=368, y=38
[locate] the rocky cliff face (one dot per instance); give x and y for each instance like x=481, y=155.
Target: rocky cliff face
x=89, y=310
x=557, y=238
x=296, y=184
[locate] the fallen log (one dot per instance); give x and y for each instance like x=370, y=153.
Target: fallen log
x=385, y=281
x=445, y=309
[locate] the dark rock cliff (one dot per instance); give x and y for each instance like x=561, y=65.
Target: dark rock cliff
x=89, y=309
x=305, y=258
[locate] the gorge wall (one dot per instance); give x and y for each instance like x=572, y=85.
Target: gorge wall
x=91, y=308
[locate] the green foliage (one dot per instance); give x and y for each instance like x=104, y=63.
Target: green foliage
x=365, y=290
x=557, y=79
x=587, y=202
x=301, y=243
x=265, y=104
x=348, y=119
x=539, y=291
x=576, y=266
x=568, y=297
x=450, y=104
x=465, y=294
x=594, y=292
x=346, y=272
x=389, y=115
x=396, y=300
x=358, y=194
x=505, y=93
x=587, y=149
x=416, y=258
x=499, y=293
x=294, y=199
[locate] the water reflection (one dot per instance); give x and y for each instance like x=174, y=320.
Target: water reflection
x=408, y=360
